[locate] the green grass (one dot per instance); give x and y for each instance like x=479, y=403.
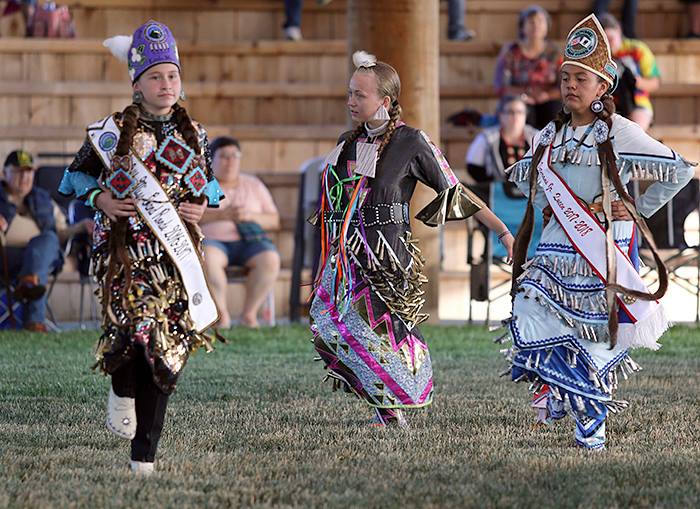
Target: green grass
x=251, y=424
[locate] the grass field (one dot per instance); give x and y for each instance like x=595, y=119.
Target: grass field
x=251, y=424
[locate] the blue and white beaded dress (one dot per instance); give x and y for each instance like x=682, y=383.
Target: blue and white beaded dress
x=559, y=323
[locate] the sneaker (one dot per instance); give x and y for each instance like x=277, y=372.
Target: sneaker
x=121, y=416
x=141, y=468
x=29, y=289
x=36, y=327
x=293, y=34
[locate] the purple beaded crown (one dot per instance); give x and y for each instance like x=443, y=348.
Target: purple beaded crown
x=152, y=44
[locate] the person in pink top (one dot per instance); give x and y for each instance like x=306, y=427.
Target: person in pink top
x=235, y=233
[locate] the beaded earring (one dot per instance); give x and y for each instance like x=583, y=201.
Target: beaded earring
x=597, y=106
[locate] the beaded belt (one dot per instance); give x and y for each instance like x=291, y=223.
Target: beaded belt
x=374, y=215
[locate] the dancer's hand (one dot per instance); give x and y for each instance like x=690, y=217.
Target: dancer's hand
x=115, y=208
x=619, y=211
x=3, y=224
x=508, y=240
x=192, y=212
x=546, y=215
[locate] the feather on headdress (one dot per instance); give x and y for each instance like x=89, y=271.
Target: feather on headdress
x=119, y=45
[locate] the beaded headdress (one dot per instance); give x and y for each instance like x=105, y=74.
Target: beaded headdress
x=587, y=47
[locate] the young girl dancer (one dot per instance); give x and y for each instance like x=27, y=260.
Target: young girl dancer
x=368, y=297
x=580, y=305
x=146, y=171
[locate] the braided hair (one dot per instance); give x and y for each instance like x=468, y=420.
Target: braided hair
x=388, y=84
x=609, y=174
x=130, y=120
x=119, y=257
x=186, y=127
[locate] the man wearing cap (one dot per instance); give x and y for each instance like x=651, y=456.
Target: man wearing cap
x=28, y=222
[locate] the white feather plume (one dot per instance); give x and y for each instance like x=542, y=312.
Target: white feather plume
x=363, y=59
x=119, y=46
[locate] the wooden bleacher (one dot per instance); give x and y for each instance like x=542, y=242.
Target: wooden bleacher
x=226, y=21
x=285, y=100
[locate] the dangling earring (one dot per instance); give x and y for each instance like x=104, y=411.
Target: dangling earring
x=137, y=97
x=565, y=109
x=183, y=96
x=597, y=106
x=381, y=114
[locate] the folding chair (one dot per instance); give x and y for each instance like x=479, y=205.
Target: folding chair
x=509, y=206
x=80, y=246
x=306, y=240
x=682, y=261
x=11, y=310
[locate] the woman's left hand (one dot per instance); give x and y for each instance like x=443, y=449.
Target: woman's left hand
x=192, y=212
x=619, y=211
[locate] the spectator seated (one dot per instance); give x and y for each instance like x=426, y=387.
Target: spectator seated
x=31, y=246
x=236, y=234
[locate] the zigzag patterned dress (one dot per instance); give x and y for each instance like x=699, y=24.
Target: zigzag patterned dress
x=367, y=303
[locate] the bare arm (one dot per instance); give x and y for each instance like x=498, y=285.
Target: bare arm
x=220, y=214
x=648, y=84
x=491, y=221
x=267, y=221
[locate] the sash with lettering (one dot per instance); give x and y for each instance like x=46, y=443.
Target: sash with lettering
x=587, y=236
x=160, y=215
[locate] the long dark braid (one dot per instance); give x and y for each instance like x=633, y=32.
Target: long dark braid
x=129, y=123
x=186, y=127
x=609, y=173
x=189, y=133
x=119, y=257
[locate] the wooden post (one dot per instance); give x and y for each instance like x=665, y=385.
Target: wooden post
x=405, y=34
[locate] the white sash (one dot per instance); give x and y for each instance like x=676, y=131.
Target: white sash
x=160, y=215
x=587, y=236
